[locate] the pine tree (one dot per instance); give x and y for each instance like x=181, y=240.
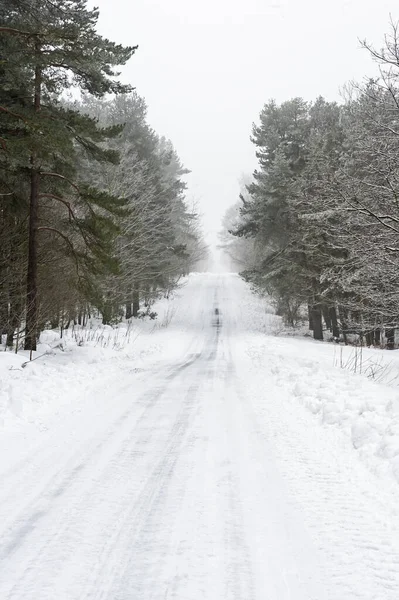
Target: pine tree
x=159, y=240
x=57, y=44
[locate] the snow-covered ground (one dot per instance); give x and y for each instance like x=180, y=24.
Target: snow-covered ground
x=205, y=460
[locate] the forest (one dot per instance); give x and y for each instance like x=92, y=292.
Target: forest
x=317, y=225
x=94, y=216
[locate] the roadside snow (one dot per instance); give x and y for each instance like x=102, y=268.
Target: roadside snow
x=365, y=412
x=35, y=394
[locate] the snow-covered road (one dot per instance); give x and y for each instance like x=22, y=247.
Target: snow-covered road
x=196, y=477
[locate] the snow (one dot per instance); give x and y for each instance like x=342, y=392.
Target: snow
x=198, y=456
x=367, y=413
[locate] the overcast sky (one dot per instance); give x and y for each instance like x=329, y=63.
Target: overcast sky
x=206, y=67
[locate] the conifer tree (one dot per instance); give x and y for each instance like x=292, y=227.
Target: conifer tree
x=58, y=47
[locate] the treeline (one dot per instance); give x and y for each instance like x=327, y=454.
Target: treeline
x=318, y=226
x=93, y=215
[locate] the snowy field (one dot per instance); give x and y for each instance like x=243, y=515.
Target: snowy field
x=199, y=457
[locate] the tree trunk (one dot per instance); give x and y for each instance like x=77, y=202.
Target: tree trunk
x=343, y=317
x=107, y=313
x=317, y=322
x=390, y=338
x=136, y=302
x=31, y=284
x=129, y=310
x=147, y=296
x=334, y=322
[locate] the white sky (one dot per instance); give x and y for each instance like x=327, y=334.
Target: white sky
x=206, y=67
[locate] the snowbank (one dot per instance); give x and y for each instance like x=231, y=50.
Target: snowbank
x=34, y=393
x=365, y=412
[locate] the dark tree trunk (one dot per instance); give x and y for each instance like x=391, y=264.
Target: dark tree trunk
x=377, y=336
x=129, y=312
x=107, y=310
x=31, y=286
x=343, y=317
x=390, y=338
x=107, y=313
x=136, y=302
x=317, y=322
x=147, y=296
x=31, y=329
x=334, y=322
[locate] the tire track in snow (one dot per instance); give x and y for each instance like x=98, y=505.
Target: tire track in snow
x=139, y=533
x=45, y=503
x=18, y=479
x=240, y=581
x=55, y=522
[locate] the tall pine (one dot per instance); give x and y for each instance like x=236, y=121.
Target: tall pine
x=49, y=47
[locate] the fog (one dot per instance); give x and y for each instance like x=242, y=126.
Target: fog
x=206, y=68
